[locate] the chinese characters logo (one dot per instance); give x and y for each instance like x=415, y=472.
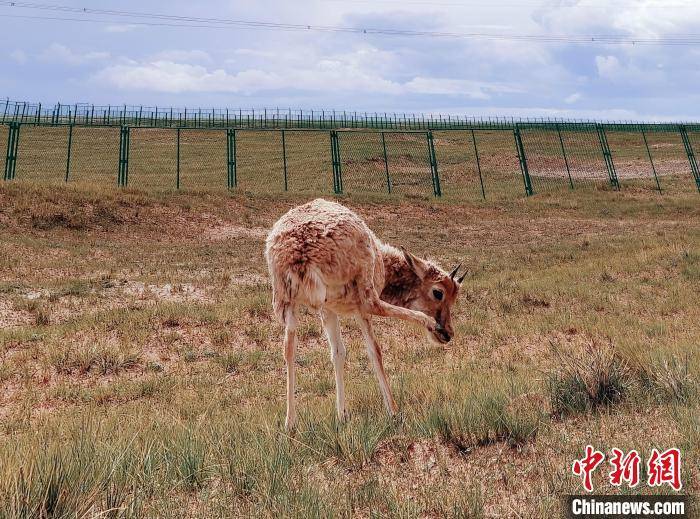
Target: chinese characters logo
x=663, y=468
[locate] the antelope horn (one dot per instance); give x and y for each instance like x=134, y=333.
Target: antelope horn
x=462, y=278
x=454, y=272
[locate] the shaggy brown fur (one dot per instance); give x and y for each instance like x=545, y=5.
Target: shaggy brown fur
x=322, y=255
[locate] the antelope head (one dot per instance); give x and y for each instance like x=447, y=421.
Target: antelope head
x=434, y=294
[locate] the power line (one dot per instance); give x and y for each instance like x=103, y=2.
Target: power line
x=520, y=3
x=166, y=20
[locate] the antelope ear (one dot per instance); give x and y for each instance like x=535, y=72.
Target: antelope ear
x=418, y=266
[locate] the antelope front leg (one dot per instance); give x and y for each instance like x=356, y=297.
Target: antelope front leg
x=374, y=352
x=384, y=309
x=290, y=345
x=332, y=327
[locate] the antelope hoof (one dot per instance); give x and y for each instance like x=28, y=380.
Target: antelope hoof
x=396, y=418
x=432, y=325
x=290, y=423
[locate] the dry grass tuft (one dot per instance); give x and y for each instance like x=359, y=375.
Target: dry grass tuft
x=592, y=378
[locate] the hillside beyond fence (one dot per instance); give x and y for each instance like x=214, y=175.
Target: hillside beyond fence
x=480, y=161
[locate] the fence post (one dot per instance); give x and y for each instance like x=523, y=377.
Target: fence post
x=284, y=160
x=123, y=176
x=231, y=157
x=566, y=159
x=340, y=163
x=70, y=146
x=433, y=165
x=12, y=147
x=523, y=161
x=333, y=163
x=607, y=156
x=478, y=165
x=386, y=165
x=691, y=156
x=651, y=160
x=177, y=175
x=337, y=168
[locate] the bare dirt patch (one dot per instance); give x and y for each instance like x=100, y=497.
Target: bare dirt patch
x=229, y=231
x=167, y=292
x=12, y=318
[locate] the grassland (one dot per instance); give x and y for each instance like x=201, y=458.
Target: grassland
x=141, y=372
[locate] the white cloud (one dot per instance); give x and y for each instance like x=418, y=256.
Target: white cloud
x=170, y=77
x=19, y=56
x=58, y=53
x=327, y=74
x=640, y=18
x=463, y=87
x=573, y=98
x=608, y=67
x=183, y=56
x=611, y=68
x=120, y=28
x=256, y=53
x=611, y=114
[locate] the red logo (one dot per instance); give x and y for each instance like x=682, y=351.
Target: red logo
x=585, y=466
x=625, y=468
x=665, y=468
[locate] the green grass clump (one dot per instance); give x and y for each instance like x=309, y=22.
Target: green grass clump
x=469, y=412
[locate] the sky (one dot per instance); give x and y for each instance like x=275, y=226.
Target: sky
x=119, y=60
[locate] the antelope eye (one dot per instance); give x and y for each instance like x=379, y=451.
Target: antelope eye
x=437, y=294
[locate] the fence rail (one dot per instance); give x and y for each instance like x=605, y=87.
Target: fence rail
x=476, y=161
x=276, y=118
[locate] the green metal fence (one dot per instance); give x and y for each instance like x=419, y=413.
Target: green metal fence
x=485, y=161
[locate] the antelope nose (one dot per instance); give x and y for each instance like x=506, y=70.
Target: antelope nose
x=444, y=334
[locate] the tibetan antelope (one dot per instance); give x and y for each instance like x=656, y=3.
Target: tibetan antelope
x=323, y=256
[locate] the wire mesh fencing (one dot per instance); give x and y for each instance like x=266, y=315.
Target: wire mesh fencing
x=499, y=163
x=94, y=156
x=260, y=172
x=386, y=162
x=633, y=162
x=492, y=162
x=546, y=159
x=152, y=159
x=691, y=142
x=44, y=154
x=670, y=160
x=459, y=164
x=308, y=161
x=365, y=164
x=4, y=137
x=202, y=163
